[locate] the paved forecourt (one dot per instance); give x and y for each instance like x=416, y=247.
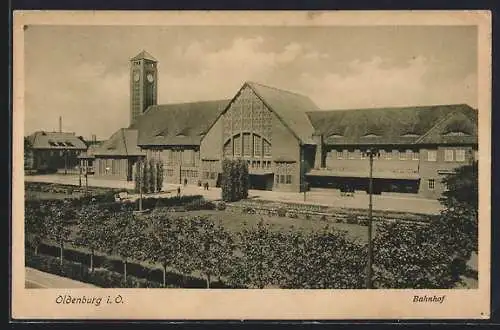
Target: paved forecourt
x=36, y=279
x=318, y=197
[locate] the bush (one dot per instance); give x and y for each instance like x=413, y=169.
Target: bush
x=200, y=204
x=292, y=214
x=220, y=205
x=281, y=212
x=249, y=210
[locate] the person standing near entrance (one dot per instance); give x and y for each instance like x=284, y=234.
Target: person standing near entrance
x=185, y=182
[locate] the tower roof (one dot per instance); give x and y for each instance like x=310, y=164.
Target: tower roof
x=144, y=55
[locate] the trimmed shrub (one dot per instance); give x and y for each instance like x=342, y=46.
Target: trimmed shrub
x=281, y=212
x=235, y=180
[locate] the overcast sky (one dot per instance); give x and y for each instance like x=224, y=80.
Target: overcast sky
x=82, y=72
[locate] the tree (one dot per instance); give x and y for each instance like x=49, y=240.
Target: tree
x=162, y=242
x=149, y=174
x=323, y=259
x=57, y=219
x=36, y=226
x=126, y=237
x=92, y=232
x=256, y=262
x=186, y=233
x=159, y=176
x=215, y=250
x=28, y=153
x=456, y=228
x=235, y=180
x=409, y=256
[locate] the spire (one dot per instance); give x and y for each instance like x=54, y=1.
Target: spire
x=144, y=55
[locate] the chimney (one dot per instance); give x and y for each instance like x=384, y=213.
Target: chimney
x=94, y=138
x=60, y=124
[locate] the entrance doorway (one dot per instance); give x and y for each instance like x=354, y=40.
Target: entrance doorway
x=261, y=181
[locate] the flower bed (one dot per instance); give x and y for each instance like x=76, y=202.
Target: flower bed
x=323, y=213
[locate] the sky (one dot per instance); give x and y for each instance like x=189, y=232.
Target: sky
x=82, y=72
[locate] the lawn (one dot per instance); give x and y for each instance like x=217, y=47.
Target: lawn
x=235, y=222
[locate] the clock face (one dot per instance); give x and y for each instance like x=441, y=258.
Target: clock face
x=136, y=76
x=150, y=77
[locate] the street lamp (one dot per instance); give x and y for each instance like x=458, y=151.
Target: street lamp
x=369, y=268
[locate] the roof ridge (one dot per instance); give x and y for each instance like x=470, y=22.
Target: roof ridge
x=394, y=107
x=278, y=89
x=188, y=102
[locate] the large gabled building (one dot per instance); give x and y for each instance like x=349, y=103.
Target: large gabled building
x=288, y=141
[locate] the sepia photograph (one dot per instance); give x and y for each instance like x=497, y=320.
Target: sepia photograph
x=253, y=155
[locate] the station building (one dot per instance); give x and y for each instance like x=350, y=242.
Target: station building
x=288, y=142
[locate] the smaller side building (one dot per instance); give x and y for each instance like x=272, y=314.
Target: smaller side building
x=115, y=158
x=50, y=152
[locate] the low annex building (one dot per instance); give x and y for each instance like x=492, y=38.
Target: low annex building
x=288, y=142
x=53, y=151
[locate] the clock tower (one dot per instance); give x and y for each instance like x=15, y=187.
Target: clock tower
x=143, y=84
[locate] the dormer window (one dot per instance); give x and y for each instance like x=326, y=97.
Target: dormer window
x=52, y=143
x=371, y=135
x=456, y=133
x=412, y=135
x=181, y=135
x=335, y=136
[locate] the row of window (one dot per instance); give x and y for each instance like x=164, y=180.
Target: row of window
x=450, y=155
x=209, y=175
x=247, y=145
x=283, y=178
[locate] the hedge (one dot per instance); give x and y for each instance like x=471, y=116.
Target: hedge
x=100, y=277
x=115, y=266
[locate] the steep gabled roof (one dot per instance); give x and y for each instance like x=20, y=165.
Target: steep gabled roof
x=397, y=125
x=122, y=143
x=177, y=124
x=290, y=107
x=56, y=140
x=144, y=55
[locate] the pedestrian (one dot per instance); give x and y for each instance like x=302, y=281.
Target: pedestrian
x=178, y=191
x=185, y=182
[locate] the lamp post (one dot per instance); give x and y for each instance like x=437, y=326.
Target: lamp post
x=80, y=174
x=369, y=268
x=141, y=169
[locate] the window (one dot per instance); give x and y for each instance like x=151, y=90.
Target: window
x=448, y=155
x=340, y=154
x=247, y=145
x=267, y=149
x=257, y=146
x=460, y=155
x=282, y=178
x=395, y=154
x=237, y=146
x=431, y=155
x=213, y=175
x=206, y=175
x=363, y=155
x=388, y=155
x=288, y=179
x=402, y=155
x=431, y=184
x=345, y=154
x=352, y=154
x=415, y=155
